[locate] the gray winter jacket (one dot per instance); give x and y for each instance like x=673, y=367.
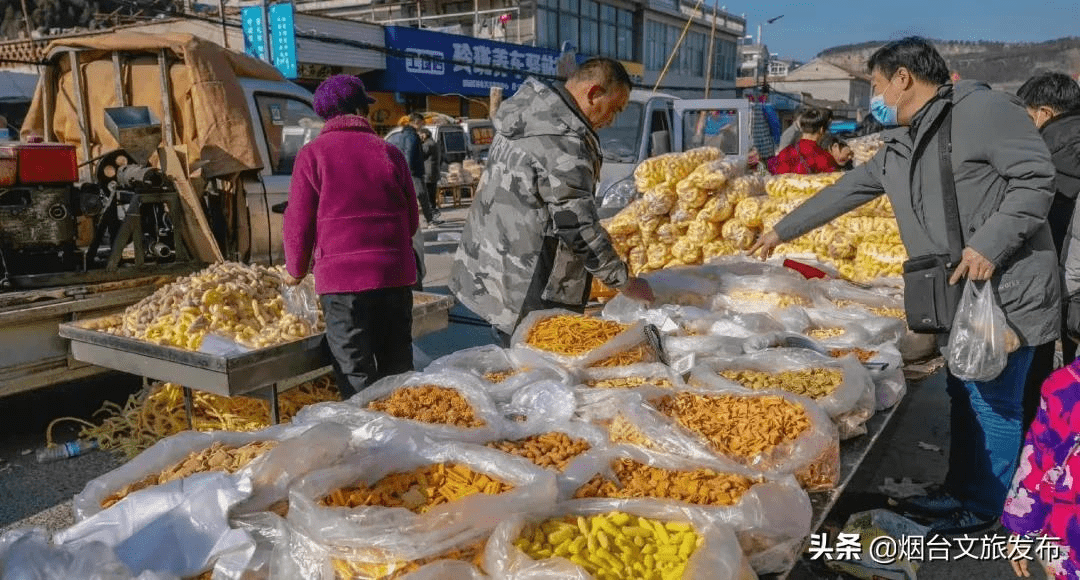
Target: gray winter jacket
x=1004, y=187
x=533, y=236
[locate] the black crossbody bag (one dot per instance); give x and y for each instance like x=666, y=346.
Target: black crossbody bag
x=929, y=300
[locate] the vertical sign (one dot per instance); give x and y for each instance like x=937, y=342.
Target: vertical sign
x=253, y=32
x=283, y=38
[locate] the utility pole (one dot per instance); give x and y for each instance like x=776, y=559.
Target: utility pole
x=26, y=18
x=224, y=29
x=265, y=32
x=712, y=51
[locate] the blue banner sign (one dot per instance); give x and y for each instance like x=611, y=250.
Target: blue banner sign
x=282, y=36
x=440, y=63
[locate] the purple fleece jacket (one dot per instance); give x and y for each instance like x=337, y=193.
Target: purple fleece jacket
x=352, y=207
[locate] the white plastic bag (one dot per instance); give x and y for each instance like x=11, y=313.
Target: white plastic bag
x=537, y=407
x=976, y=350
x=771, y=518
x=718, y=557
x=299, y=449
x=26, y=554
x=853, y=399
x=495, y=425
x=489, y=362
x=302, y=302
x=377, y=533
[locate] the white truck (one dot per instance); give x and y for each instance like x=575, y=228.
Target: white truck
x=657, y=123
x=282, y=119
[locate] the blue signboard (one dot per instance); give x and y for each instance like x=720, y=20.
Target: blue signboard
x=440, y=63
x=253, y=32
x=282, y=36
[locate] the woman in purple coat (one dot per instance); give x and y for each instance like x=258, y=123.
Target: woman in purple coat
x=350, y=219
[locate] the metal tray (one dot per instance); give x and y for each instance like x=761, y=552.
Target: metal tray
x=231, y=374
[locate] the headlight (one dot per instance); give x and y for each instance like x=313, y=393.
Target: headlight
x=620, y=195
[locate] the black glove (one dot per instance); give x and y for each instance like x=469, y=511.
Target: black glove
x=1072, y=320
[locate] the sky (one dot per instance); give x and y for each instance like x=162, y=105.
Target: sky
x=809, y=27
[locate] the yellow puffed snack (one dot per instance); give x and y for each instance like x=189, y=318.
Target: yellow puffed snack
x=686, y=251
x=738, y=234
x=702, y=232
x=717, y=209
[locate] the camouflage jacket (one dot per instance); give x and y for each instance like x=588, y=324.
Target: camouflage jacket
x=532, y=235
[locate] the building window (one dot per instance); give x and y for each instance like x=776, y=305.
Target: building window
x=589, y=28
x=568, y=22
x=626, y=35
x=608, y=41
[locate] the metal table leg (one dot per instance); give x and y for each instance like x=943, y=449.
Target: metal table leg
x=275, y=413
x=189, y=408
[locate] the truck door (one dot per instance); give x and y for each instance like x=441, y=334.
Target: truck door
x=721, y=123
x=287, y=122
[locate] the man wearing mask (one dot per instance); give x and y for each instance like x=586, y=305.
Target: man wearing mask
x=533, y=238
x=1053, y=103
x=1003, y=179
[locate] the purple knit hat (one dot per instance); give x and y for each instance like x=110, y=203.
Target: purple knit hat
x=340, y=95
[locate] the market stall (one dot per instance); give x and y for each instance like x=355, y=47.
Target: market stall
x=706, y=435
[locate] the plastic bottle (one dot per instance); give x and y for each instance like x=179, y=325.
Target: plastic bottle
x=66, y=450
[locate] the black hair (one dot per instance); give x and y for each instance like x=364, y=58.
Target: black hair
x=607, y=72
x=1050, y=89
x=416, y=118
x=913, y=53
x=815, y=119
x=828, y=140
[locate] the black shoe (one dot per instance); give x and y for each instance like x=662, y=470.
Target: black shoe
x=961, y=522
x=435, y=221
x=936, y=503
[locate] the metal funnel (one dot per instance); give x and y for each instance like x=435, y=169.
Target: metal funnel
x=136, y=130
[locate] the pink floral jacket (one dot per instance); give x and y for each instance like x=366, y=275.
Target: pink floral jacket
x=1043, y=499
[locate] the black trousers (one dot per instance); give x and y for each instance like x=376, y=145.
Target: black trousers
x=369, y=334
x=432, y=188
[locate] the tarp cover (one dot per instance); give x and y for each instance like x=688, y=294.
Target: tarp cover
x=211, y=121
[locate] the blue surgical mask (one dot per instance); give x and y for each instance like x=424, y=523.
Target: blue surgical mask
x=886, y=115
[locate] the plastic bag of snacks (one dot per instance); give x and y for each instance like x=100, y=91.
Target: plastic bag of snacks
x=503, y=370
x=408, y=501
x=841, y=387
x=572, y=339
x=596, y=539
x=270, y=459
x=770, y=516
x=765, y=293
x=449, y=405
x=559, y=447
x=798, y=438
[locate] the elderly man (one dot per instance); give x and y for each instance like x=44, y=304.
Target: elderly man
x=980, y=143
x=532, y=237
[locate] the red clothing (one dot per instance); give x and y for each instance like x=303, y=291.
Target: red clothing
x=804, y=157
x=352, y=206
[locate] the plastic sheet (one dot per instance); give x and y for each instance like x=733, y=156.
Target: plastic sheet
x=766, y=293
x=490, y=362
x=181, y=527
x=771, y=518
x=718, y=557
x=26, y=554
x=302, y=301
x=382, y=534
x=469, y=386
x=850, y=405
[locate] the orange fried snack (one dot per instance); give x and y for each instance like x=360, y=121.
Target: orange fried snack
x=572, y=335
x=429, y=404
x=552, y=450
x=418, y=490
x=698, y=486
x=738, y=426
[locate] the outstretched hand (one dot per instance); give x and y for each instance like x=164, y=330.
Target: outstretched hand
x=764, y=246
x=639, y=289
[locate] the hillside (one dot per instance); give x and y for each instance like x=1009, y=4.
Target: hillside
x=1002, y=64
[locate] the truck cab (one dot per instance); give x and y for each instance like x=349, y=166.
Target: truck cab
x=284, y=121
x=657, y=123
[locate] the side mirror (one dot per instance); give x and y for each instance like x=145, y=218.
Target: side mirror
x=661, y=142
